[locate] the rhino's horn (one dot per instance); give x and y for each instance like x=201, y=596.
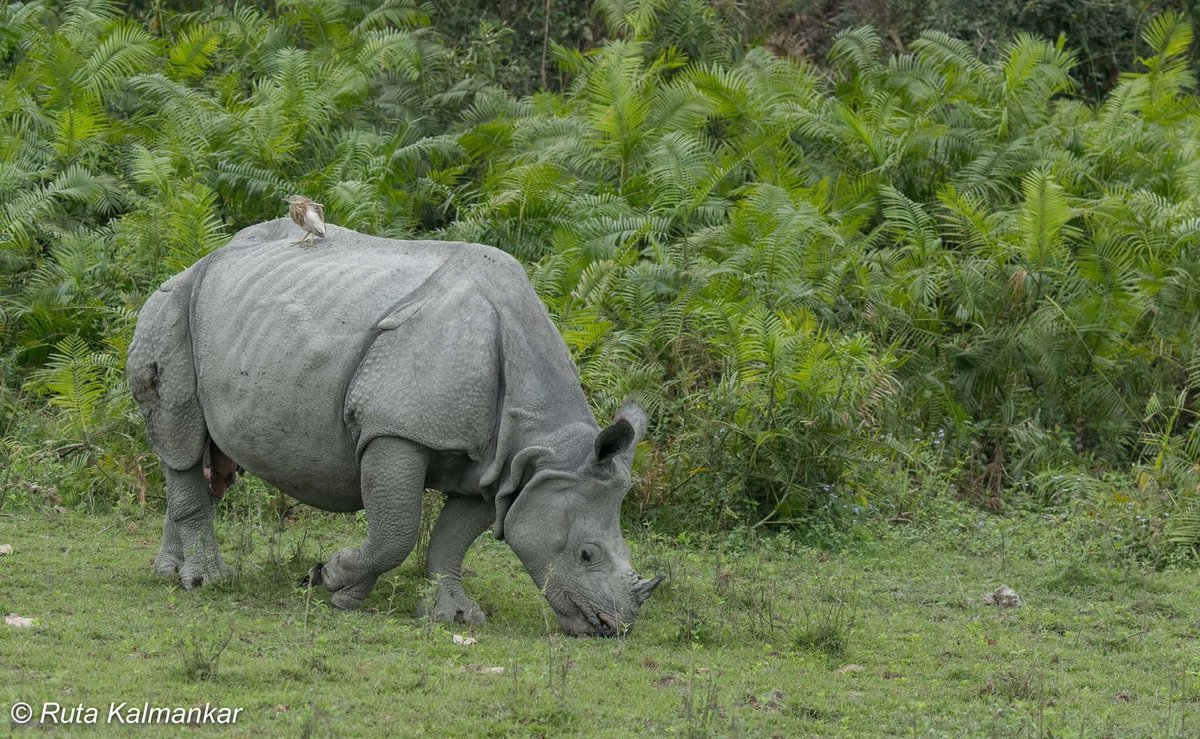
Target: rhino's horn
x=645, y=588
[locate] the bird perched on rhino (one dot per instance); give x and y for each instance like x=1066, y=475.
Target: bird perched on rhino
x=308, y=215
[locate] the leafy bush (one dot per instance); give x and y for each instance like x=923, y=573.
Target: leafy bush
x=835, y=291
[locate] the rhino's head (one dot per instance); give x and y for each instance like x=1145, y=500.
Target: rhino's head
x=565, y=525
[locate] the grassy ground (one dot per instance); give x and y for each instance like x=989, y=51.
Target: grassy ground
x=766, y=639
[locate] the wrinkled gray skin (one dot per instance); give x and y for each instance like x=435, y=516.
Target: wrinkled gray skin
x=355, y=375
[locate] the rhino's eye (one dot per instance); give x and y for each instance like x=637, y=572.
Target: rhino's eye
x=585, y=555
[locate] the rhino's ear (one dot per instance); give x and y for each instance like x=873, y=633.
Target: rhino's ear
x=625, y=432
x=636, y=417
x=613, y=440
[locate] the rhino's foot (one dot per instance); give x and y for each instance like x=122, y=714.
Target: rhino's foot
x=195, y=574
x=344, y=576
x=348, y=599
x=202, y=563
x=167, y=565
x=170, y=554
x=451, y=606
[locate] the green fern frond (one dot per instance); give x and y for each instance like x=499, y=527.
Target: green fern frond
x=76, y=380
x=1168, y=34
x=125, y=50
x=858, y=49
x=192, y=53
x=397, y=13
x=1044, y=218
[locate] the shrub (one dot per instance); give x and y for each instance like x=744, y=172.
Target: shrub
x=830, y=288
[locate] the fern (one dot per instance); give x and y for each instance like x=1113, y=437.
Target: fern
x=125, y=50
x=1043, y=219
x=76, y=379
x=193, y=53
x=802, y=272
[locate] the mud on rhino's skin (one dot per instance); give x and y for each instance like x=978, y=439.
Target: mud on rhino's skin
x=356, y=374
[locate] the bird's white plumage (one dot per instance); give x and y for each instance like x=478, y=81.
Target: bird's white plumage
x=313, y=222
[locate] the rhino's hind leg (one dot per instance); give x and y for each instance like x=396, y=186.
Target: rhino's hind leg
x=170, y=554
x=461, y=522
x=190, y=520
x=393, y=484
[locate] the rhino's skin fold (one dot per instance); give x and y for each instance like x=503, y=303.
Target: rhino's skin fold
x=358, y=373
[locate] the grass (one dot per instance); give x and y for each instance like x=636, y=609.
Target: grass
x=754, y=641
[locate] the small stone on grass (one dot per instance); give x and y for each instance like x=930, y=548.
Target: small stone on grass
x=466, y=641
x=5, y=549
x=847, y=669
x=18, y=622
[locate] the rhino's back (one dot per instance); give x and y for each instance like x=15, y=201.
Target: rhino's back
x=279, y=331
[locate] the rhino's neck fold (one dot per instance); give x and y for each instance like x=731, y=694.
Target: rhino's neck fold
x=538, y=395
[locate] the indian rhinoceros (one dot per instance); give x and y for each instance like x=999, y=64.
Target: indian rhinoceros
x=356, y=374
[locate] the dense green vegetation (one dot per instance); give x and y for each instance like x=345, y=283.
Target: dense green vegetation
x=509, y=35
x=843, y=288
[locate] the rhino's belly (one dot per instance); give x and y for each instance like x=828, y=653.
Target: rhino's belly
x=282, y=421
x=317, y=468
x=273, y=400
x=327, y=494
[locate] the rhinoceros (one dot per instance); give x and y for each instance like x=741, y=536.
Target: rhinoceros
x=354, y=375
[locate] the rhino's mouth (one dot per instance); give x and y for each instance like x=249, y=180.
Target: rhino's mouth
x=601, y=623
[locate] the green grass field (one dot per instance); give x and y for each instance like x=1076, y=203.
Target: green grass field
x=752, y=640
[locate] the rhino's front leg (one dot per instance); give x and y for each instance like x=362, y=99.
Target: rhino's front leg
x=393, y=484
x=189, y=539
x=462, y=520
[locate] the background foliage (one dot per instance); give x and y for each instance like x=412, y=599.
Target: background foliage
x=843, y=286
